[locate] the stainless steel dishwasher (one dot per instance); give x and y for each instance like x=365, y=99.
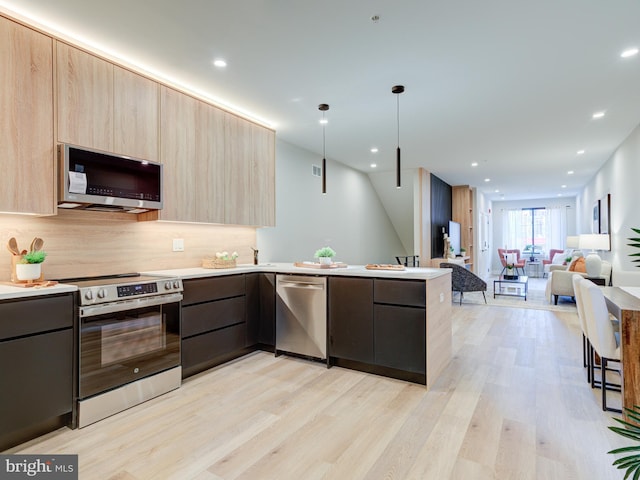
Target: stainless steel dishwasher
x=301, y=315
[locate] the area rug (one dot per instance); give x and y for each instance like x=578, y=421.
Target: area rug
x=535, y=298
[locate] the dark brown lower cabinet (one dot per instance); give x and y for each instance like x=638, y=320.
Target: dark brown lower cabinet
x=379, y=326
x=351, y=319
x=36, y=367
x=400, y=337
x=213, y=323
x=261, y=310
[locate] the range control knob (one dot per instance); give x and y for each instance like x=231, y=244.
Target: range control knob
x=88, y=295
x=102, y=293
x=167, y=286
x=176, y=284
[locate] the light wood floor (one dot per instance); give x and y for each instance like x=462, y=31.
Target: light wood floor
x=513, y=404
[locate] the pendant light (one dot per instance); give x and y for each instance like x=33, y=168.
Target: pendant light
x=397, y=90
x=323, y=107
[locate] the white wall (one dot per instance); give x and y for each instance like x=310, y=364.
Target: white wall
x=483, y=235
x=499, y=207
x=619, y=176
x=349, y=218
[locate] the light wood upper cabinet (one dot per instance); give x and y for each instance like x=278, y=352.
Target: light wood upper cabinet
x=178, y=155
x=263, y=176
x=26, y=120
x=85, y=98
x=135, y=109
x=104, y=106
x=238, y=164
x=249, y=173
x=210, y=179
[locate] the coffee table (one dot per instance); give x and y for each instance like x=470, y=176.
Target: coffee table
x=517, y=287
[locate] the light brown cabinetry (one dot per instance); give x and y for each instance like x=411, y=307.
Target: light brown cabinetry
x=210, y=181
x=462, y=207
x=263, y=177
x=135, y=109
x=85, y=98
x=249, y=173
x=26, y=120
x=178, y=125
x=104, y=106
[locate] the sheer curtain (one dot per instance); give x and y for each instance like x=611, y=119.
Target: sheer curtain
x=553, y=234
x=511, y=229
x=556, y=223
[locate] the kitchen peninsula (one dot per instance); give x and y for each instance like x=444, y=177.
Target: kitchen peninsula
x=390, y=322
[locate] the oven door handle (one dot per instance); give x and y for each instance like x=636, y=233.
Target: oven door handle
x=93, y=310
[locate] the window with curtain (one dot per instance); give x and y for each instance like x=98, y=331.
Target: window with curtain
x=534, y=229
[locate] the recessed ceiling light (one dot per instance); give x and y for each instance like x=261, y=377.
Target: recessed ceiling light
x=374, y=150
x=220, y=63
x=630, y=52
x=580, y=152
x=487, y=179
x=570, y=172
x=324, y=121
x=559, y=194
x=598, y=115
x=496, y=191
x=474, y=164
x=373, y=165
x=563, y=186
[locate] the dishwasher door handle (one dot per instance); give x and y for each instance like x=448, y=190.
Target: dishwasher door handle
x=308, y=286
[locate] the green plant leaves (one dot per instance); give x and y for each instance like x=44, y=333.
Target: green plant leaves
x=630, y=463
x=636, y=244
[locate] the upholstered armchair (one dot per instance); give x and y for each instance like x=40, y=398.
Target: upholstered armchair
x=560, y=283
x=548, y=261
x=518, y=264
x=463, y=280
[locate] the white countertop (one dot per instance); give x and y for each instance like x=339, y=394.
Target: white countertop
x=8, y=292
x=410, y=273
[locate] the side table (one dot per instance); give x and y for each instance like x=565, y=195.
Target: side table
x=598, y=281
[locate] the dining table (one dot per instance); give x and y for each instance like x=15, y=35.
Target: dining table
x=624, y=304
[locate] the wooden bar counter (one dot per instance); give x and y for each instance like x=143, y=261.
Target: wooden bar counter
x=626, y=308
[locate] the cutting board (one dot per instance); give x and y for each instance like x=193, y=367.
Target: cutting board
x=383, y=266
x=320, y=265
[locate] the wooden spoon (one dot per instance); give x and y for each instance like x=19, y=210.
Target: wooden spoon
x=13, y=246
x=37, y=244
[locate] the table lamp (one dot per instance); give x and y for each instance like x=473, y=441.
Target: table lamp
x=573, y=241
x=594, y=242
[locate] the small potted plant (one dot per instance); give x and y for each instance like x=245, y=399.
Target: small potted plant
x=510, y=275
x=29, y=267
x=324, y=255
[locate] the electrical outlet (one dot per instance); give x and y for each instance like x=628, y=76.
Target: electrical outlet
x=178, y=244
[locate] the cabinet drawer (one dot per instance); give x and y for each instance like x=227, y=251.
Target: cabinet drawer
x=400, y=292
x=213, y=315
x=204, y=349
x=25, y=317
x=199, y=290
x=400, y=337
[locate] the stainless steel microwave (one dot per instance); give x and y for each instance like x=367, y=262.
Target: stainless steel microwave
x=96, y=180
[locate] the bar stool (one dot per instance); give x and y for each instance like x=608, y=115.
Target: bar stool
x=586, y=346
x=601, y=335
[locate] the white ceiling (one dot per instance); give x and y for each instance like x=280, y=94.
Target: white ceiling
x=509, y=84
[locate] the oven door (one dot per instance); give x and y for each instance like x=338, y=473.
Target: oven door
x=125, y=341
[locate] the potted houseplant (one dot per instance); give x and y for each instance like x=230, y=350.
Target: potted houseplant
x=324, y=255
x=29, y=267
x=509, y=275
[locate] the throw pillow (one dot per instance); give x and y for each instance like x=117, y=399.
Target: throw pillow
x=578, y=265
x=511, y=258
x=558, y=259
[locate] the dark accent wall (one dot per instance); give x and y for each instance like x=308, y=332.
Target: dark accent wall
x=441, y=213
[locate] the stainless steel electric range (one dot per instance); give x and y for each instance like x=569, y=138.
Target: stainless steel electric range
x=128, y=342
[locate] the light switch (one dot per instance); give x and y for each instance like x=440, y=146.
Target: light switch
x=178, y=244
x=441, y=297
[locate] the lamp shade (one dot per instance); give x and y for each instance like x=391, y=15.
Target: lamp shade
x=573, y=241
x=594, y=241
